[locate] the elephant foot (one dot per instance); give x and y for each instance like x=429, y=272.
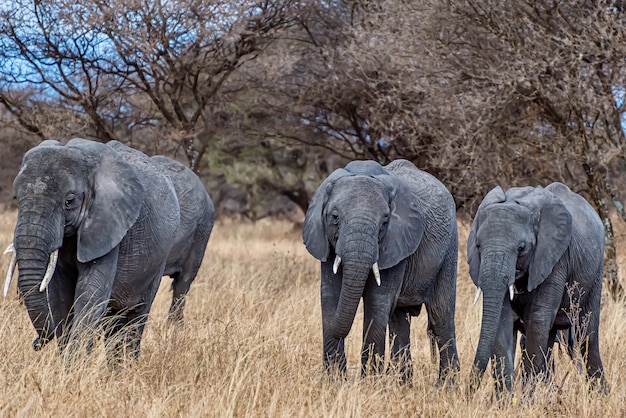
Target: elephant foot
x=506, y=399
x=39, y=343
x=335, y=373
x=600, y=385
x=448, y=382
x=175, y=321
x=448, y=377
x=335, y=364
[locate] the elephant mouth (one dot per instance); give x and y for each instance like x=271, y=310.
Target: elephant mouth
x=375, y=269
x=512, y=292
x=52, y=262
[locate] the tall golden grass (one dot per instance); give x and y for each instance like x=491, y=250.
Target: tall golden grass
x=251, y=346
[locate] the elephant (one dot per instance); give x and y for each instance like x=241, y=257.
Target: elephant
x=97, y=224
x=387, y=235
x=197, y=217
x=537, y=256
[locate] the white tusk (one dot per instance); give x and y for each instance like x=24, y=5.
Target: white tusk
x=511, y=292
x=376, y=273
x=7, y=281
x=336, y=264
x=10, y=249
x=477, y=295
x=50, y=270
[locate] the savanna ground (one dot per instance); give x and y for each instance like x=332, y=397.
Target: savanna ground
x=251, y=346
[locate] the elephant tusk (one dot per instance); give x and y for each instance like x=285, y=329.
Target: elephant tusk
x=10, y=249
x=7, y=281
x=49, y=270
x=336, y=264
x=376, y=273
x=477, y=295
x=511, y=292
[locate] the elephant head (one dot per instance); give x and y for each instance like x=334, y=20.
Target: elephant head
x=82, y=192
x=364, y=220
x=516, y=239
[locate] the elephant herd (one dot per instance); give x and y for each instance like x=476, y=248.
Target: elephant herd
x=100, y=224
x=389, y=235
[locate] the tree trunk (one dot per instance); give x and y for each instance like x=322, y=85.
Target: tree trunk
x=598, y=189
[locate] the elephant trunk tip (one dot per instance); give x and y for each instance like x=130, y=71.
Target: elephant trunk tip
x=340, y=332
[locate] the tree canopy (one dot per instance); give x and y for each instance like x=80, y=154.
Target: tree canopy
x=271, y=95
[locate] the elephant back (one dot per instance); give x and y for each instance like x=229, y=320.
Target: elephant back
x=193, y=197
x=431, y=194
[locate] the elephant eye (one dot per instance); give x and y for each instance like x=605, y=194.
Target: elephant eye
x=521, y=247
x=334, y=216
x=69, y=200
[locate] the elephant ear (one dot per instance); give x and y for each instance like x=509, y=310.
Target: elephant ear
x=313, y=230
x=553, y=237
x=496, y=195
x=117, y=197
x=405, y=227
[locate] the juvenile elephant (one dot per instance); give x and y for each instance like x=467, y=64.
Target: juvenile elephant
x=388, y=235
x=537, y=255
x=95, y=226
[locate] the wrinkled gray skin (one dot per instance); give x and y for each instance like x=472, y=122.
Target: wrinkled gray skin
x=197, y=216
x=544, y=241
x=113, y=215
x=403, y=219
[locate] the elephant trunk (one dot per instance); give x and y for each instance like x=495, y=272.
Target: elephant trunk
x=32, y=268
x=35, y=242
x=496, y=274
x=359, y=252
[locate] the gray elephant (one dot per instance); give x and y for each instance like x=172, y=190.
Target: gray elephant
x=197, y=216
x=387, y=235
x=537, y=255
x=96, y=224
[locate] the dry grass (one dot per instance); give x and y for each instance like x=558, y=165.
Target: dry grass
x=252, y=347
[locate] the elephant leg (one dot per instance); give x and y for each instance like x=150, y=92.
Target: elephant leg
x=538, y=335
x=570, y=340
x=182, y=281
x=504, y=350
x=552, y=336
x=400, y=342
x=180, y=287
x=61, y=291
x=93, y=291
x=441, y=318
x=334, y=354
x=375, y=320
x=113, y=323
x=135, y=322
x=378, y=303
x=590, y=350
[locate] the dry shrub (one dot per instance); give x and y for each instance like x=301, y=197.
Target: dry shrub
x=252, y=346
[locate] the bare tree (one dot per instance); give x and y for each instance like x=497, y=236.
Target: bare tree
x=478, y=92
x=131, y=69
x=551, y=74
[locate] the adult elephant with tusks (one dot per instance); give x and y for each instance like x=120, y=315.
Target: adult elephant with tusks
x=387, y=235
x=537, y=256
x=96, y=227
